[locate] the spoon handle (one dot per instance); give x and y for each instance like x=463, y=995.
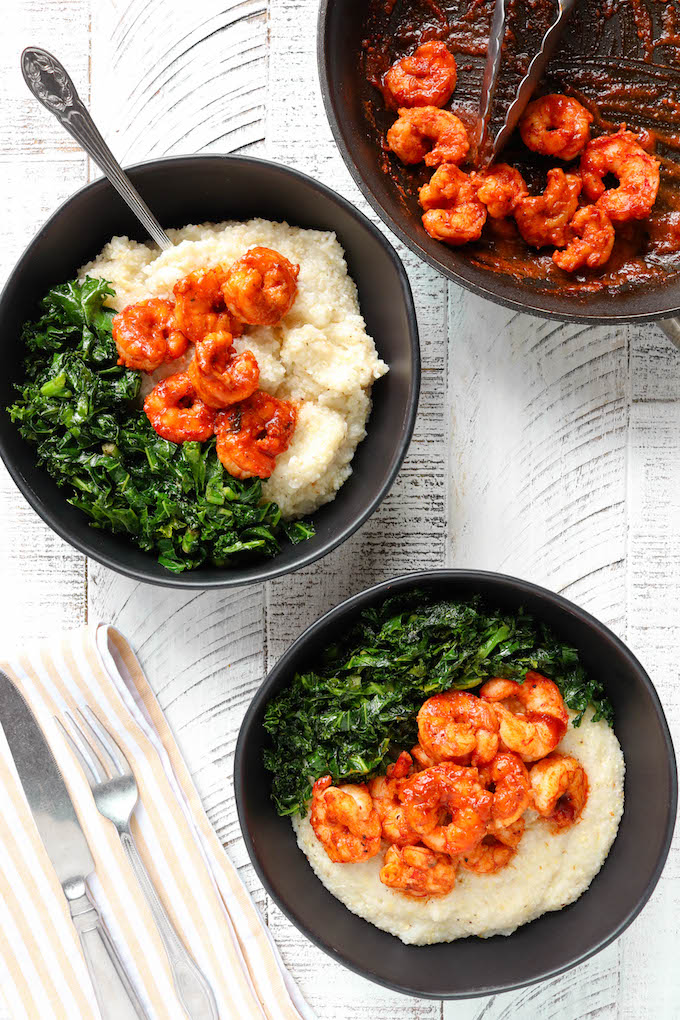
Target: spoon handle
x=51, y=85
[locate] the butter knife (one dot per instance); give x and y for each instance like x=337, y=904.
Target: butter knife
x=67, y=848
x=526, y=87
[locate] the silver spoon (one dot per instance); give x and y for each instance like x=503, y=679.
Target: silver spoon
x=51, y=85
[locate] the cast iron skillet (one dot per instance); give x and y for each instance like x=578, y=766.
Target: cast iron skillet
x=193, y=189
x=341, y=30
x=552, y=943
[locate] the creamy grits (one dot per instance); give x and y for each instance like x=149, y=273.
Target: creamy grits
x=319, y=355
x=547, y=872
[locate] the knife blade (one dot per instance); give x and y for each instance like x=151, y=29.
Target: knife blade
x=68, y=850
x=45, y=789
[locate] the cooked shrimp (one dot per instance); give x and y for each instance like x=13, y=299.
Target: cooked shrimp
x=260, y=287
x=507, y=777
x=637, y=173
x=177, y=413
x=453, y=212
x=500, y=188
x=543, y=219
x=457, y=726
x=426, y=78
x=422, y=758
x=418, y=871
x=495, y=851
x=430, y=134
x=559, y=789
x=146, y=335
x=590, y=240
x=345, y=821
x=384, y=791
x=200, y=307
x=448, y=806
x=531, y=716
x=221, y=376
x=556, y=126
x=252, y=434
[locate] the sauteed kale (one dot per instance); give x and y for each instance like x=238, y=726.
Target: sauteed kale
x=78, y=407
x=360, y=703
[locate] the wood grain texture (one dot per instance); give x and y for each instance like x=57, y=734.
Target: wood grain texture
x=44, y=586
x=542, y=449
x=203, y=655
x=581, y=994
x=547, y=403
x=170, y=78
x=649, y=985
x=408, y=531
x=43, y=578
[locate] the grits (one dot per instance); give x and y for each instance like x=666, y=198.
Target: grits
x=320, y=354
x=547, y=872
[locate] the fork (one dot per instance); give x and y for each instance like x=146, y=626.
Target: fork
x=115, y=793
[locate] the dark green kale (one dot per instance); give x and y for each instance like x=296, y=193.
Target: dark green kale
x=358, y=708
x=79, y=408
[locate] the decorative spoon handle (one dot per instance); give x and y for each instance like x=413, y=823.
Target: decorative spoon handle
x=51, y=85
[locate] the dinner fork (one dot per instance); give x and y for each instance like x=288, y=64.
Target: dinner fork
x=115, y=793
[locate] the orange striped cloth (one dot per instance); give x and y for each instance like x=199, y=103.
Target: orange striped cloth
x=42, y=970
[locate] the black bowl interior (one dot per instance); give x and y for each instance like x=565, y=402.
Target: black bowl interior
x=546, y=946
x=195, y=189
x=342, y=29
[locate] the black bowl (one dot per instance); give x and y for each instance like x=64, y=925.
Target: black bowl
x=548, y=945
x=194, y=189
x=341, y=31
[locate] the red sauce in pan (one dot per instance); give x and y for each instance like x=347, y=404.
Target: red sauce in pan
x=620, y=58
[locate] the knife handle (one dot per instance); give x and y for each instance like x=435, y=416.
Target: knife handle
x=116, y=998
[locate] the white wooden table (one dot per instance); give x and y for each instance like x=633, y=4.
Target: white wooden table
x=543, y=450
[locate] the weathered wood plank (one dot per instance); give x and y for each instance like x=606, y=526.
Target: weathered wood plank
x=44, y=588
x=589, y=992
x=27, y=132
x=544, y=450
x=403, y=535
x=650, y=983
x=538, y=488
x=203, y=655
x=168, y=78
x=43, y=578
x=409, y=529
x=336, y=993
x=538, y=446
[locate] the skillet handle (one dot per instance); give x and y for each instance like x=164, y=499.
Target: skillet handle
x=671, y=327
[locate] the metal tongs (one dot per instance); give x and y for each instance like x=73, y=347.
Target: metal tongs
x=488, y=152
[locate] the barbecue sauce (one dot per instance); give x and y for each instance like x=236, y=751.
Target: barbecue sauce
x=619, y=58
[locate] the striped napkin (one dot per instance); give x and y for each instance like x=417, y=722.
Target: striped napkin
x=42, y=970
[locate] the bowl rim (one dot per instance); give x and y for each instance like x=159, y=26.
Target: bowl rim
x=525, y=305
x=370, y=595
x=268, y=571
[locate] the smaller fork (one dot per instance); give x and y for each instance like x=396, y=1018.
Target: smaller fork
x=115, y=793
